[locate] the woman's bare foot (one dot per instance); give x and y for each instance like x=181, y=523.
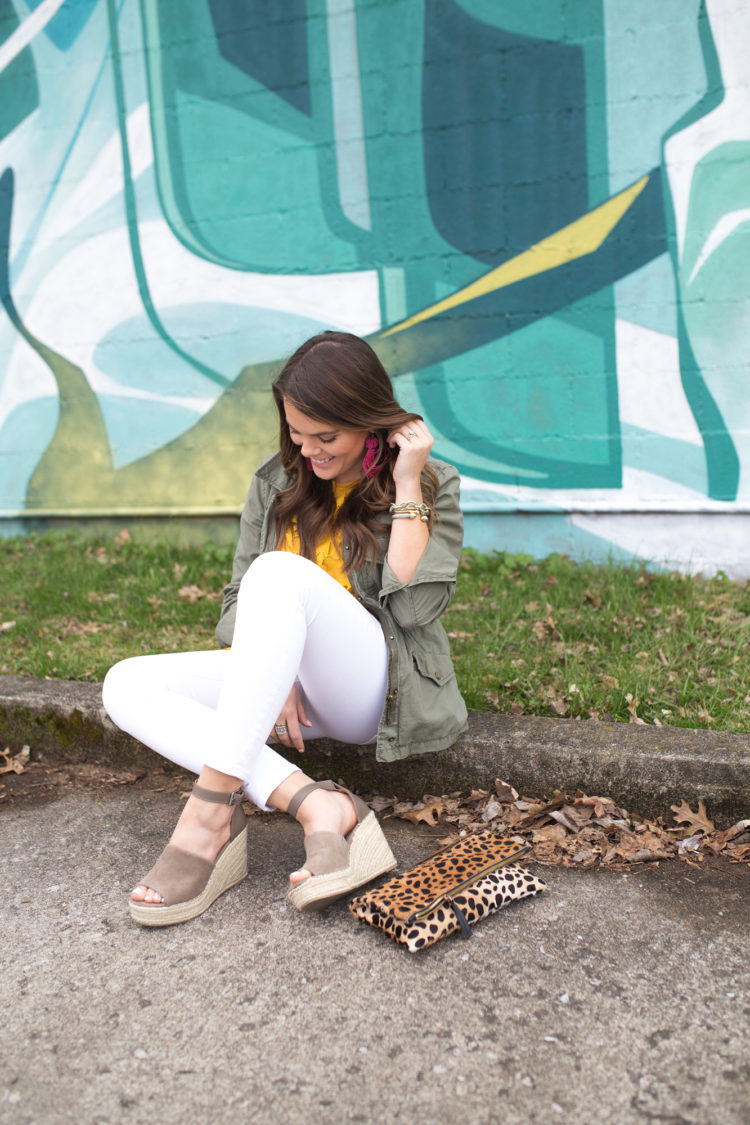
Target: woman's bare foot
x=203, y=829
x=324, y=811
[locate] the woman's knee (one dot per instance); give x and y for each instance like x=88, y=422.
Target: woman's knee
x=274, y=568
x=123, y=683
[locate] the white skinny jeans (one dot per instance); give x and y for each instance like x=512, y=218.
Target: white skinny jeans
x=294, y=624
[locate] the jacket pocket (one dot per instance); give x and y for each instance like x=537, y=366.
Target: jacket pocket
x=435, y=666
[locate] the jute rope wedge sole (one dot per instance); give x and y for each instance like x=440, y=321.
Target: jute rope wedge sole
x=340, y=864
x=189, y=884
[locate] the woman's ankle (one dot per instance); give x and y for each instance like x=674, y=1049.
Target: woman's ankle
x=323, y=811
x=217, y=782
x=282, y=795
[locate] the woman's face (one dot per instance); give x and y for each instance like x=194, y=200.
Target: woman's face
x=336, y=454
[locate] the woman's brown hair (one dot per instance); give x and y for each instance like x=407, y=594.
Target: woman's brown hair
x=337, y=379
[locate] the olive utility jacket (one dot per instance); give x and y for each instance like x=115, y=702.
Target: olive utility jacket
x=423, y=707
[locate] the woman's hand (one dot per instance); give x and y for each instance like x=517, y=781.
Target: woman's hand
x=409, y=537
x=414, y=442
x=291, y=715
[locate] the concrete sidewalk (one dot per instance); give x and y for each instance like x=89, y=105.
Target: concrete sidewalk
x=612, y=997
x=645, y=769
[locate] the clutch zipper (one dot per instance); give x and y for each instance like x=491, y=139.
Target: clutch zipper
x=447, y=896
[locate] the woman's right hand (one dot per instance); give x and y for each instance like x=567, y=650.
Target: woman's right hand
x=413, y=443
x=291, y=716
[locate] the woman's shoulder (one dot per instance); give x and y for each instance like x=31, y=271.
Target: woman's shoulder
x=271, y=470
x=443, y=470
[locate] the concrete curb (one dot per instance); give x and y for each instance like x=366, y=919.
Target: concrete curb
x=645, y=769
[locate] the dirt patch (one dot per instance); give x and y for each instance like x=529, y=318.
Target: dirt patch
x=45, y=779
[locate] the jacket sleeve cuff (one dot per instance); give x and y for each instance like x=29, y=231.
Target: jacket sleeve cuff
x=435, y=565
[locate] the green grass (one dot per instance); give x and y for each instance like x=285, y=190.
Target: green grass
x=608, y=642
x=545, y=638
x=81, y=604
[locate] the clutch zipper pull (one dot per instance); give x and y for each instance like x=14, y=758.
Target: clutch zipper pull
x=465, y=927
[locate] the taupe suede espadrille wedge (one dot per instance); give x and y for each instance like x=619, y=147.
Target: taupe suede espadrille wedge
x=339, y=864
x=189, y=884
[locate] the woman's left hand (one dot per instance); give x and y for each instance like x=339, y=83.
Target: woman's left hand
x=287, y=727
x=414, y=442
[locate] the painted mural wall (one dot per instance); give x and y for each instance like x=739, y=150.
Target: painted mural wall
x=538, y=214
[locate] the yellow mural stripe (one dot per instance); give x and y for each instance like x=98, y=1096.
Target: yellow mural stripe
x=581, y=237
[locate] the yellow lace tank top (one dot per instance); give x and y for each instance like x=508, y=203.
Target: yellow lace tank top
x=328, y=553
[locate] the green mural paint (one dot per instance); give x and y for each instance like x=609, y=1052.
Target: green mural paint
x=132, y=216
x=222, y=141
x=19, y=92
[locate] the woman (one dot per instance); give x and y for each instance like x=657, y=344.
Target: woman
x=348, y=550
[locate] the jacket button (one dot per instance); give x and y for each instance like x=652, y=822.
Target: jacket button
x=437, y=675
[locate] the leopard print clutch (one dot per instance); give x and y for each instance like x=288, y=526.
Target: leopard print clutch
x=450, y=890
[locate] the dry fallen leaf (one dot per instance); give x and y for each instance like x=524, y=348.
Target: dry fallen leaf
x=561, y=818
x=698, y=821
x=633, y=710
x=379, y=804
x=84, y=628
x=574, y=831
x=426, y=814
x=504, y=792
x=493, y=810
x=551, y=833
x=190, y=593
x=15, y=763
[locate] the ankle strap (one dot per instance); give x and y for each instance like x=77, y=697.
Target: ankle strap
x=306, y=790
x=218, y=798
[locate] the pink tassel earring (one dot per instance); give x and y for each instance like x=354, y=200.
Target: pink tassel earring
x=369, y=466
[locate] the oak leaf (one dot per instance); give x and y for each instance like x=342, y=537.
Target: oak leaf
x=698, y=821
x=426, y=814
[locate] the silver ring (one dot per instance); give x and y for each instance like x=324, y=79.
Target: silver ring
x=410, y=434
x=280, y=728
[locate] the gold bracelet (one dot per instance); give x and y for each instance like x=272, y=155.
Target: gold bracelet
x=410, y=510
